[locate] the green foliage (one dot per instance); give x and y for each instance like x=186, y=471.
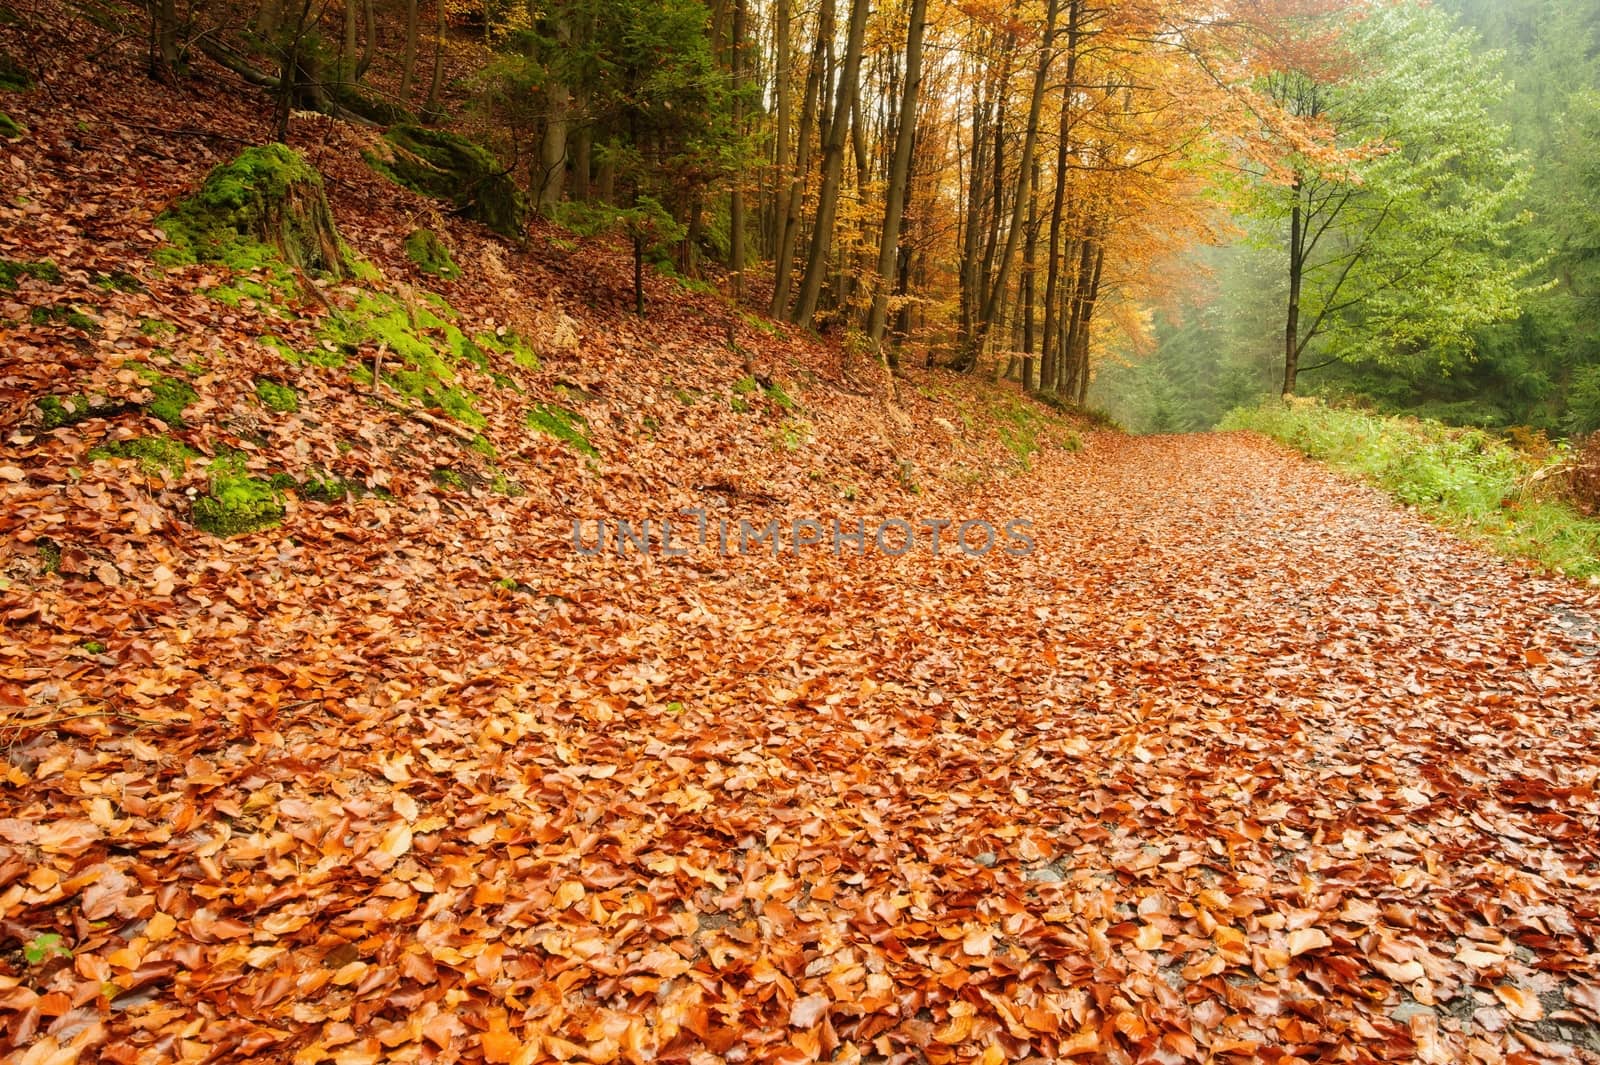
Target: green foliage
x=1464, y=478
x=277, y=396
x=424, y=248
x=44, y=270
x=10, y=128
x=1410, y=243
x=264, y=209
x=565, y=425
x=156, y=455
x=450, y=168
x=1583, y=401
x=238, y=502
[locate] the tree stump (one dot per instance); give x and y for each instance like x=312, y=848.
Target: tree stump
x=267, y=202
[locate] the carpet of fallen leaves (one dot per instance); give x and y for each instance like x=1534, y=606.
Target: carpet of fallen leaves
x=1240, y=764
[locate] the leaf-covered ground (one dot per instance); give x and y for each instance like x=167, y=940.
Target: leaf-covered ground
x=1240, y=764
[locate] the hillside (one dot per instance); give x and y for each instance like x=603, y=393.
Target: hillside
x=324, y=741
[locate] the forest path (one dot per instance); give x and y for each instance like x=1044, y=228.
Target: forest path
x=1241, y=760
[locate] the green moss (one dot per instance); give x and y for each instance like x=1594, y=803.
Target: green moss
x=685, y=396
x=49, y=555
x=562, y=424
x=431, y=255
x=10, y=128
x=777, y=395
x=236, y=294
x=738, y=405
x=445, y=477
x=326, y=488
x=43, y=270
x=238, y=503
x=118, y=281
x=170, y=397
x=155, y=327
x=277, y=396
x=57, y=411
x=94, y=647
x=261, y=211
x=499, y=482
x=746, y=386
x=64, y=314
x=155, y=454
x=412, y=365
x=482, y=446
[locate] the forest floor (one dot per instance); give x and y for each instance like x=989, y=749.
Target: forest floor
x=1239, y=763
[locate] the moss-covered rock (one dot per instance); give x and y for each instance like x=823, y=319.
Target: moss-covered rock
x=267, y=204
x=424, y=248
x=451, y=168
x=237, y=503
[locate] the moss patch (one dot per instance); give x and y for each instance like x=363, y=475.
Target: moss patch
x=10, y=128
x=155, y=454
x=447, y=167
x=277, y=396
x=11, y=271
x=238, y=503
x=64, y=314
x=262, y=210
x=57, y=411
x=413, y=365
x=563, y=424
x=424, y=248
x=118, y=281
x=170, y=397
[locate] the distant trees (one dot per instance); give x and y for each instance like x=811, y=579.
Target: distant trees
x=1396, y=229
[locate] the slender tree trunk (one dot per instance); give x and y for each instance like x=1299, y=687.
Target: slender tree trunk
x=1058, y=210
x=974, y=343
x=553, y=146
x=1029, y=259
x=899, y=173
x=975, y=196
x=832, y=168
x=163, y=57
x=436, y=77
x=736, y=194
x=783, y=118
x=408, y=59
x=582, y=171
x=1088, y=318
x=352, y=42
x=370, y=22
x=1291, y=332
x=809, y=106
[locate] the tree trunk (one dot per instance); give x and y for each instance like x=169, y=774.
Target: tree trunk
x=1029, y=258
x=581, y=174
x=1291, y=332
x=832, y=168
x=370, y=19
x=736, y=194
x=809, y=106
x=163, y=39
x=1051, y=362
x=408, y=59
x=899, y=173
x=553, y=145
x=436, y=78
x=974, y=343
x=780, y=149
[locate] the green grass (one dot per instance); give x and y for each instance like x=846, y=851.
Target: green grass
x=1466, y=479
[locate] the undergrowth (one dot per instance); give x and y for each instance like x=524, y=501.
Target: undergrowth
x=1467, y=479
